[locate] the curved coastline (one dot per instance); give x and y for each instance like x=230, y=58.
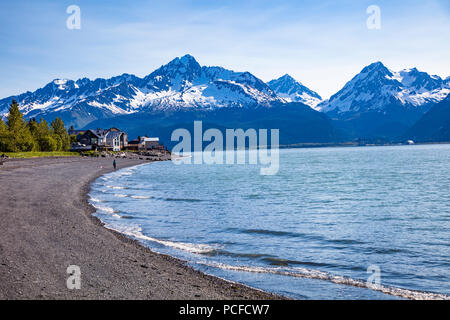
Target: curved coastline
x=260, y=294
x=300, y=273
x=54, y=227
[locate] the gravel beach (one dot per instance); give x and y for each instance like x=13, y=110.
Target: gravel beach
x=46, y=225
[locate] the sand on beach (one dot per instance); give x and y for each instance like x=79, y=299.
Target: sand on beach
x=46, y=225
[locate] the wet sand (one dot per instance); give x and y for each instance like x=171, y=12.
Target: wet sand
x=46, y=224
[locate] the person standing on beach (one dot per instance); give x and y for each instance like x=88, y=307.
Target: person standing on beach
x=114, y=164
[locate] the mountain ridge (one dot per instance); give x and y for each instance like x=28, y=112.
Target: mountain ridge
x=182, y=83
x=375, y=103
x=377, y=86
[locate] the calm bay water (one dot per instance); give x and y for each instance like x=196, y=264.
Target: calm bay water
x=311, y=231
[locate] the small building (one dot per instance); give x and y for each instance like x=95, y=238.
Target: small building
x=145, y=144
x=133, y=145
x=150, y=143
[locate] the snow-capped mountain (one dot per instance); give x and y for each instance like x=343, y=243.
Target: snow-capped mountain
x=376, y=87
x=291, y=90
x=376, y=103
x=181, y=84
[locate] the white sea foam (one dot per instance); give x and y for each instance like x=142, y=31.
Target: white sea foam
x=320, y=275
x=136, y=232
x=119, y=195
x=95, y=199
x=123, y=173
x=116, y=187
x=104, y=209
x=141, y=197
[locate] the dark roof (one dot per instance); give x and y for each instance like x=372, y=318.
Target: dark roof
x=100, y=133
x=106, y=133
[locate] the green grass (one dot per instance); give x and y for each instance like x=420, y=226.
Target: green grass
x=33, y=154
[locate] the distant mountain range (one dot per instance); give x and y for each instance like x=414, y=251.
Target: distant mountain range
x=376, y=86
x=380, y=103
x=376, y=104
x=182, y=84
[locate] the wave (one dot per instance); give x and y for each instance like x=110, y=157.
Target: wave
x=276, y=261
x=286, y=262
x=136, y=232
x=342, y=280
x=269, y=232
x=119, y=195
x=105, y=209
x=141, y=197
x=220, y=252
x=183, y=199
x=297, y=235
x=116, y=187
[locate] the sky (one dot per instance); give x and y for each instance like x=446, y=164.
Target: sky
x=322, y=44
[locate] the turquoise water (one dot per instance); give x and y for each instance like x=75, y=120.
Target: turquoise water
x=311, y=231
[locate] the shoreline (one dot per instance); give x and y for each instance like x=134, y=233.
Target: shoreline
x=113, y=266
x=91, y=210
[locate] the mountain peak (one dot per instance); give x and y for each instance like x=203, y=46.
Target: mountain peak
x=174, y=74
x=187, y=58
x=286, y=77
x=293, y=91
x=61, y=84
x=376, y=64
x=377, y=67
x=187, y=61
x=59, y=81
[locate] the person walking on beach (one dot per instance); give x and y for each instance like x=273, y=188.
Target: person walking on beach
x=114, y=164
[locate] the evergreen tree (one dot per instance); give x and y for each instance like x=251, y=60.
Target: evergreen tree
x=20, y=138
x=48, y=143
x=3, y=127
x=60, y=134
x=4, y=136
x=47, y=139
x=32, y=127
x=41, y=133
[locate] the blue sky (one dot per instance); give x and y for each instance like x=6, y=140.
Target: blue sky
x=323, y=44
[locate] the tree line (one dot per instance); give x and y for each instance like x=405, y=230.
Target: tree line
x=18, y=135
